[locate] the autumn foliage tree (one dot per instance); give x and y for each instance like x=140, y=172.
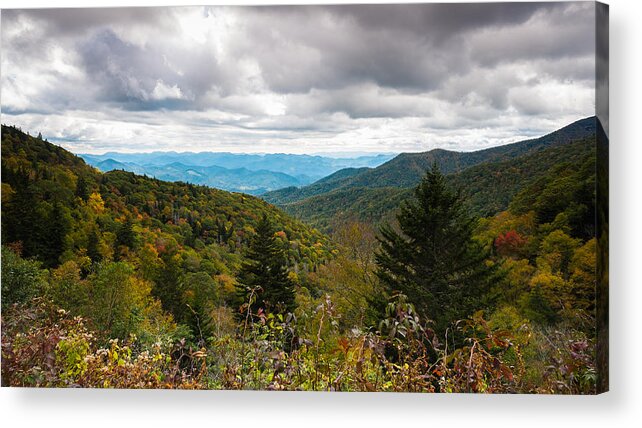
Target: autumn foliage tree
x=509, y=243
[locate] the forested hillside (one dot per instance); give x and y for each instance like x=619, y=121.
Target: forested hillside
x=119, y=280
x=407, y=169
x=325, y=185
x=173, y=237
x=487, y=187
x=42, y=179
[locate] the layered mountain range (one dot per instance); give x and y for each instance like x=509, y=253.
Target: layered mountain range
x=488, y=178
x=248, y=173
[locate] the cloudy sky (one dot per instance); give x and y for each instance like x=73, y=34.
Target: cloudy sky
x=298, y=79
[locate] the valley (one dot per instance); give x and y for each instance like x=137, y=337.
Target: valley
x=127, y=280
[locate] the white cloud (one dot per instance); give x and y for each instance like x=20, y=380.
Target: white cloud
x=163, y=91
x=293, y=79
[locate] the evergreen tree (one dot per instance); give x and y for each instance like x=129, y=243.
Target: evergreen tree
x=433, y=258
x=82, y=189
x=169, y=285
x=538, y=308
x=199, y=299
x=18, y=213
x=126, y=235
x=93, y=241
x=265, y=271
x=53, y=234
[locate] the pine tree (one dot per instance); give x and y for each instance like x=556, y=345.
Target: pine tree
x=82, y=189
x=93, y=242
x=433, y=258
x=265, y=272
x=168, y=285
x=126, y=235
x=51, y=236
x=18, y=213
x=538, y=307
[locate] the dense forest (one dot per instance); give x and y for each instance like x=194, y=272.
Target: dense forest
x=473, y=275
x=488, y=178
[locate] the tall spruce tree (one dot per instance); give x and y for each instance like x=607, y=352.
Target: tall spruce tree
x=125, y=235
x=82, y=188
x=265, y=272
x=54, y=234
x=93, y=242
x=432, y=257
x=18, y=212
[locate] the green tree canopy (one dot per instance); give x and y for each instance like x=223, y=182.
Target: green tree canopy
x=432, y=257
x=21, y=279
x=265, y=272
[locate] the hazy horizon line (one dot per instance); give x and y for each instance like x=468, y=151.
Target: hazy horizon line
x=329, y=154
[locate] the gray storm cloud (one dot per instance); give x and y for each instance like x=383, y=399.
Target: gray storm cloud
x=292, y=78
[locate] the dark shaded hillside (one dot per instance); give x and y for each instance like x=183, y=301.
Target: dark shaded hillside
x=488, y=188
x=36, y=151
x=325, y=185
x=326, y=210
x=406, y=170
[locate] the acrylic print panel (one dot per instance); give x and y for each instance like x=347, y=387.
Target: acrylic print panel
x=407, y=198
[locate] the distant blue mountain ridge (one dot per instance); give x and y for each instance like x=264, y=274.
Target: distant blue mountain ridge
x=248, y=173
